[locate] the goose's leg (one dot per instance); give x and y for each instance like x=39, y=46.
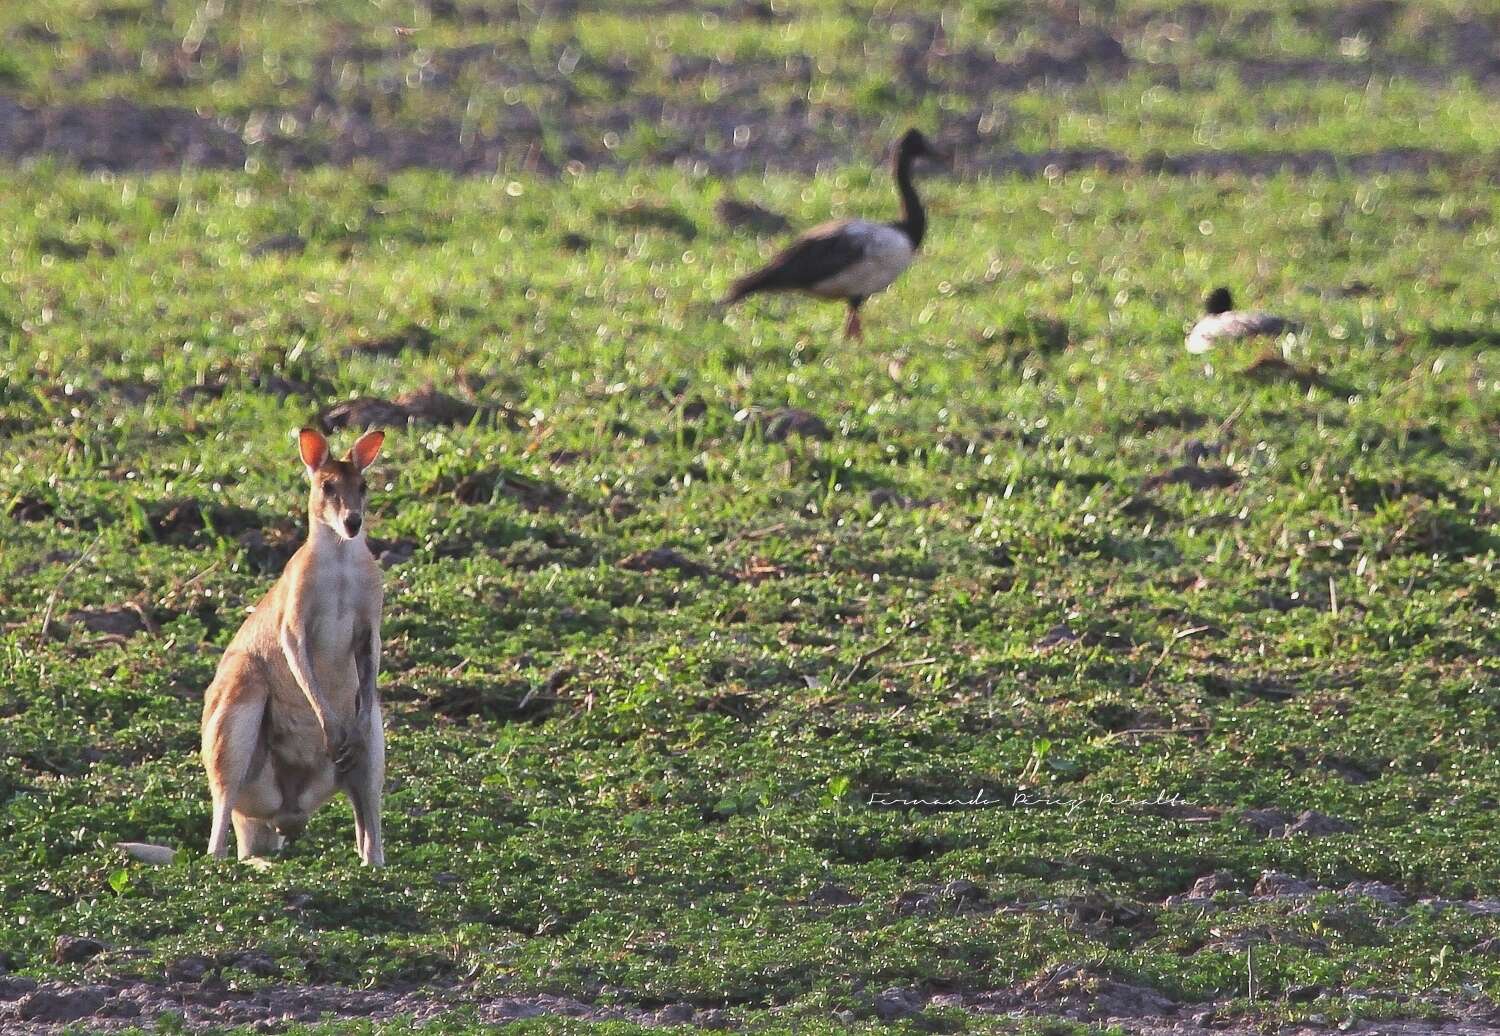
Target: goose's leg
x=852, y=327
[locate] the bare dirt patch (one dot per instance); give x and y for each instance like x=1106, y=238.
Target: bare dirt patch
x=781, y=424
x=118, y=135
x=642, y=216
x=481, y=487
x=186, y=521
x=117, y=622
x=665, y=559
x=31, y=508
x=412, y=337
x=197, y=995
x=1271, y=368
x=91, y=138
x=335, y=126
x=742, y=215
x=269, y=549
x=1080, y=992
x=1192, y=476
x=565, y=119
x=29, y=1008
x=425, y=405
x=1069, y=59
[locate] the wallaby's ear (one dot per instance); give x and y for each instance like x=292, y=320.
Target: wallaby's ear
x=314, y=448
x=366, y=448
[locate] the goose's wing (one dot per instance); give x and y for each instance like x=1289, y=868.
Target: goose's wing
x=823, y=252
x=1235, y=324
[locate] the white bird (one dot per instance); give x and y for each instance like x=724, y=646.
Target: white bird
x=1222, y=322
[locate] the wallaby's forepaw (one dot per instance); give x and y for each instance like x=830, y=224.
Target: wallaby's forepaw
x=348, y=757
x=346, y=749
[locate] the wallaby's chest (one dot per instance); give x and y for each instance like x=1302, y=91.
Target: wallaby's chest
x=342, y=603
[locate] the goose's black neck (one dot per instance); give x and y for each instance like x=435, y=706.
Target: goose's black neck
x=913, y=218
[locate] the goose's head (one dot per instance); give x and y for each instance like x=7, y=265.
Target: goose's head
x=914, y=144
x=1219, y=301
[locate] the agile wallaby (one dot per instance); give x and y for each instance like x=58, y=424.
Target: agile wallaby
x=292, y=714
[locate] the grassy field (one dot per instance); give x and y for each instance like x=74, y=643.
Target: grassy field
x=692, y=616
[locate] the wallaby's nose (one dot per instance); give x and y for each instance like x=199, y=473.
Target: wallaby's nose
x=352, y=524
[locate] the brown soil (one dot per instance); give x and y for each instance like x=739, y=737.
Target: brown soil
x=338, y=127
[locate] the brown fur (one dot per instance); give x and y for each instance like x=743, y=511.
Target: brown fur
x=293, y=714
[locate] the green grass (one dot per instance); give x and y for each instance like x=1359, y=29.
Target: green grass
x=653, y=830
x=621, y=785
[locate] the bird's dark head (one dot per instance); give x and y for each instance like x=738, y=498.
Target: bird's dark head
x=914, y=144
x=1219, y=301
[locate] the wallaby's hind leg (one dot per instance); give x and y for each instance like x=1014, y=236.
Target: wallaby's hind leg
x=218, y=836
x=231, y=739
x=255, y=837
x=364, y=785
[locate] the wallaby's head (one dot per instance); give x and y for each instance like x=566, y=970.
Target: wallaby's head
x=338, y=486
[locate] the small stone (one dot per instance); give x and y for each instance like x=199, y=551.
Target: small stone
x=954, y=1000
x=1376, y=890
x=1275, y=883
x=189, y=969
x=896, y=1003
x=146, y=852
x=122, y=1009
x=880, y=498
x=712, y=1019
x=674, y=1014
x=75, y=949
x=913, y=902
x=1056, y=636
x=288, y=243
x=13, y=987
x=1205, y=888
x=254, y=962
x=830, y=894
x=789, y=421
x=58, y=1004
x=964, y=892
x=1315, y=825
x=1264, y=820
